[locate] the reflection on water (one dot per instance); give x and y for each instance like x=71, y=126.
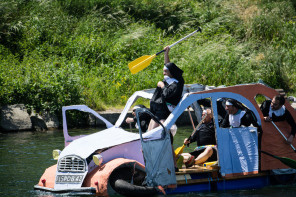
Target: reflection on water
x=25, y=155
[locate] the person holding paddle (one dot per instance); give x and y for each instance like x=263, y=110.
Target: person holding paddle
x=205, y=138
x=168, y=92
x=274, y=110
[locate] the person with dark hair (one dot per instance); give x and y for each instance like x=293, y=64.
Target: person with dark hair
x=143, y=117
x=274, y=110
x=237, y=116
x=168, y=92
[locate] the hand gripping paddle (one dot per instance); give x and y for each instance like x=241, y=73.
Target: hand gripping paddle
x=144, y=61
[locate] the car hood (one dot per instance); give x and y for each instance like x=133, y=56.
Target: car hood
x=85, y=146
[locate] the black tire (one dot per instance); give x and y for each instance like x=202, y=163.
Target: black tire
x=127, y=189
x=121, y=178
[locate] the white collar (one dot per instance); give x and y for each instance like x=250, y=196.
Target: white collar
x=278, y=112
x=170, y=80
x=235, y=119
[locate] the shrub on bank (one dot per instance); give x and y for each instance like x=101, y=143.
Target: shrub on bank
x=56, y=53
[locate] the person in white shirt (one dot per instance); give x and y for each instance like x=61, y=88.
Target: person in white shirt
x=237, y=116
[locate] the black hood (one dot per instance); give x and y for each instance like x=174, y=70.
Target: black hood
x=175, y=71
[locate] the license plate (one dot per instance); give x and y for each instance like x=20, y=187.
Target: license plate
x=69, y=178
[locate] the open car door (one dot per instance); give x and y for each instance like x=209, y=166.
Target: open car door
x=158, y=154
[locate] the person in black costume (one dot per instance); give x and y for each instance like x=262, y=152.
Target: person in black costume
x=237, y=115
x=204, y=136
x=143, y=117
x=274, y=110
x=168, y=92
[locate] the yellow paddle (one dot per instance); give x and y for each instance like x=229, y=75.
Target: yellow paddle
x=180, y=149
x=144, y=61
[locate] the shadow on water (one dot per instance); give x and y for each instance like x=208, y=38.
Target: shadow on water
x=25, y=155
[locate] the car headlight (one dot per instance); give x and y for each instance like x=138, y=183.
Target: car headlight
x=98, y=159
x=56, y=153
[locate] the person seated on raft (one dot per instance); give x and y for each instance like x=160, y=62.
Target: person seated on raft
x=274, y=110
x=205, y=139
x=237, y=115
x=143, y=117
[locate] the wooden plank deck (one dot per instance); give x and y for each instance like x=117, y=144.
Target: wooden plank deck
x=184, y=175
x=197, y=169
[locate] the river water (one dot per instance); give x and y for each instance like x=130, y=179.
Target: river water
x=25, y=155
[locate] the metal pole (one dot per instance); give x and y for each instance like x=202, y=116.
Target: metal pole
x=283, y=135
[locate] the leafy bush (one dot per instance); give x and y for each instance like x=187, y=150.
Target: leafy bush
x=56, y=53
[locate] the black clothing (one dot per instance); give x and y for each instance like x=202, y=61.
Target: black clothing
x=286, y=116
x=205, y=135
x=144, y=119
x=246, y=120
x=171, y=94
x=175, y=71
x=213, y=157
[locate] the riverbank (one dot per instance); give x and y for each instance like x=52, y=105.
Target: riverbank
x=17, y=118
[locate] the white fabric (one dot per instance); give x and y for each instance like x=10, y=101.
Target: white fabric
x=136, y=107
x=228, y=103
x=174, y=129
x=278, y=112
x=235, y=120
x=170, y=80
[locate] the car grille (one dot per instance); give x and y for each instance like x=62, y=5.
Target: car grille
x=71, y=164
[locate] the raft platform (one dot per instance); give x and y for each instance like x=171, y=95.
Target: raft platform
x=202, y=179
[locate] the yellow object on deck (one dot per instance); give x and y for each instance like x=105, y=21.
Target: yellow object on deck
x=207, y=164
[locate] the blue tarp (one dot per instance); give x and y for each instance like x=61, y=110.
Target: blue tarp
x=238, y=150
x=159, y=162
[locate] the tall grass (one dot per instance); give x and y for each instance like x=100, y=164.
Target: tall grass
x=56, y=53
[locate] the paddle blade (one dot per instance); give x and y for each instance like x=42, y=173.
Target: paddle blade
x=140, y=63
x=179, y=150
x=287, y=161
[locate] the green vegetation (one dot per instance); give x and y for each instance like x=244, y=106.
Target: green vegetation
x=63, y=52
